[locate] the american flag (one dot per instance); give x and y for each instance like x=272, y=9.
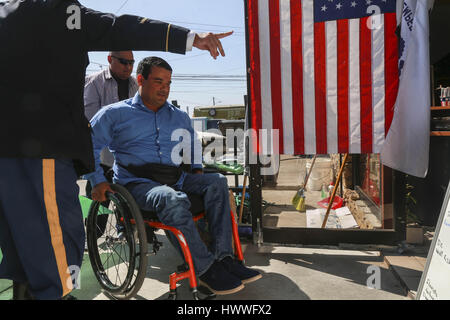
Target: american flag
x=323, y=72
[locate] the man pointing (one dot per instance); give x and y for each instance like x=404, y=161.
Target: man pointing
x=44, y=136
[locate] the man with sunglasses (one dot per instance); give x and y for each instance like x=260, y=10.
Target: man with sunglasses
x=108, y=86
x=111, y=85
x=44, y=136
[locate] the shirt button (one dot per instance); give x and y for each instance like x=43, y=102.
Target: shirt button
x=160, y=153
x=157, y=129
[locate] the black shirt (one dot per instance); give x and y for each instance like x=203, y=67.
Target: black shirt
x=122, y=87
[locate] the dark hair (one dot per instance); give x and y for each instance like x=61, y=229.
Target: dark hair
x=146, y=64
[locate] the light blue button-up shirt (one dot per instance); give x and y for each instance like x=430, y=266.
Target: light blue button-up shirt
x=137, y=135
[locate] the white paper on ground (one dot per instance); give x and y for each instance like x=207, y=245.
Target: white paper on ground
x=343, y=211
x=348, y=222
x=339, y=219
x=346, y=218
x=314, y=219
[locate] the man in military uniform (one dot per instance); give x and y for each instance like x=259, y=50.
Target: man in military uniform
x=45, y=139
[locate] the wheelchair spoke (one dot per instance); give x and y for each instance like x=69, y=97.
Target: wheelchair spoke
x=117, y=256
x=114, y=249
x=107, y=260
x=114, y=266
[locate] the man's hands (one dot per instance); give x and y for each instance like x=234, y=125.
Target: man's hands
x=98, y=192
x=211, y=42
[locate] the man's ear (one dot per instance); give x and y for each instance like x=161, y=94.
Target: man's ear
x=109, y=59
x=140, y=79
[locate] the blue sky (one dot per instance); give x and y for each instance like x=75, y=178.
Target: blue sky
x=201, y=16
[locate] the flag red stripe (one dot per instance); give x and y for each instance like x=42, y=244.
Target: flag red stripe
x=343, y=85
x=391, y=67
x=320, y=87
x=275, y=68
x=255, y=65
x=365, y=62
x=297, y=76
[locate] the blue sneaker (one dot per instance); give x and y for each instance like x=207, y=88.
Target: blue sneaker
x=236, y=268
x=220, y=281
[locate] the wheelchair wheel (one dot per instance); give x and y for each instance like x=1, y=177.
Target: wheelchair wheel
x=117, y=250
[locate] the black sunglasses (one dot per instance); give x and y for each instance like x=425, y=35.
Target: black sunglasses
x=124, y=61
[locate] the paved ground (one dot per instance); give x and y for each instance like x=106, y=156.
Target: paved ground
x=289, y=273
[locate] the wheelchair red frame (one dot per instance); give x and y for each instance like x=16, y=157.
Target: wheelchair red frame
x=190, y=273
x=152, y=222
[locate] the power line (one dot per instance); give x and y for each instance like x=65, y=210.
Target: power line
x=205, y=24
x=191, y=102
x=201, y=87
x=202, y=75
x=201, y=54
x=123, y=5
x=238, y=68
x=209, y=77
x=202, y=92
x=187, y=22
x=100, y=64
x=199, y=76
x=209, y=80
x=240, y=33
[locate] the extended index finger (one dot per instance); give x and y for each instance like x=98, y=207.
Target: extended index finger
x=223, y=34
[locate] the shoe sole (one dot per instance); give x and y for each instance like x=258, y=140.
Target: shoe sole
x=247, y=281
x=222, y=292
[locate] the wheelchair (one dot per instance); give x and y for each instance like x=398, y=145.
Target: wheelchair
x=119, y=251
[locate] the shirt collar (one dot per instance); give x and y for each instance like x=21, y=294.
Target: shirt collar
x=108, y=74
x=137, y=102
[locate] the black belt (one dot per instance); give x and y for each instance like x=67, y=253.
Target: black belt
x=161, y=173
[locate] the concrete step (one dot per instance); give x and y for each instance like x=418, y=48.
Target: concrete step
x=408, y=270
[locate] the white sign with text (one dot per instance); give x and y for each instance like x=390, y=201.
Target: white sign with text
x=435, y=281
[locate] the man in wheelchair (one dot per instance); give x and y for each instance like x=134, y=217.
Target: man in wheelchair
x=139, y=132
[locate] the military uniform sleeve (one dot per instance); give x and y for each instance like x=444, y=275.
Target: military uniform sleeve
x=107, y=32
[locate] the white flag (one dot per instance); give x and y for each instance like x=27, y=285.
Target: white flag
x=407, y=18
x=406, y=147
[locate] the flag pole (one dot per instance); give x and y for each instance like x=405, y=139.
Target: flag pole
x=334, y=191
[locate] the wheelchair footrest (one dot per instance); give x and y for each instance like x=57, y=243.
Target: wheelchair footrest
x=201, y=293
